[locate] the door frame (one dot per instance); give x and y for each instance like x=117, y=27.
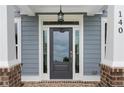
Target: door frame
x=79, y=18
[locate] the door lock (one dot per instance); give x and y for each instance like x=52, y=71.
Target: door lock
x=71, y=54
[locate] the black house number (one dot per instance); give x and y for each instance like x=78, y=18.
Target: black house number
x=120, y=29
x=120, y=14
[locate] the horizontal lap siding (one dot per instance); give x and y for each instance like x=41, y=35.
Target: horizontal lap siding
x=30, y=51
x=92, y=44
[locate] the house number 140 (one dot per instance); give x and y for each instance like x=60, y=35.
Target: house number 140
x=120, y=29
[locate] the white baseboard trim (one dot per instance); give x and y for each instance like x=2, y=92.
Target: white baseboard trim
x=37, y=78
x=91, y=78
x=10, y=63
x=112, y=63
x=30, y=78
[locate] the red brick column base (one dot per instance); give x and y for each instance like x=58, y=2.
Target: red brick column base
x=113, y=77
x=10, y=77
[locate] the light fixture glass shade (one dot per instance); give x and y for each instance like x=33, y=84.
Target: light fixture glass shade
x=60, y=16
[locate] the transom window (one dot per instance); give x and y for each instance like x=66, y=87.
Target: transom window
x=59, y=23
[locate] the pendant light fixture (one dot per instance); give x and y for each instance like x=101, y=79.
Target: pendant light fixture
x=60, y=15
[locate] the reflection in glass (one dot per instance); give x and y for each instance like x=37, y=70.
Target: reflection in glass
x=44, y=51
x=16, y=40
x=105, y=36
x=16, y=35
x=61, y=46
x=77, y=51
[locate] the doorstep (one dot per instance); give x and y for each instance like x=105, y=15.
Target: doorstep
x=57, y=83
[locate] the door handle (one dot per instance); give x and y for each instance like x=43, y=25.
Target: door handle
x=71, y=54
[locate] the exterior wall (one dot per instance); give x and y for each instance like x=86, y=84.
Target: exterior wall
x=30, y=46
x=30, y=50
x=10, y=68
x=112, y=67
x=10, y=77
x=92, y=44
x=7, y=37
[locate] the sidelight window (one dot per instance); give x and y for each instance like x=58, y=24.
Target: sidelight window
x=77, y=51
x=105, y=36
x=44, y=51
x=16, y=39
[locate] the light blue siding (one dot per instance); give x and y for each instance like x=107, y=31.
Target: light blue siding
x=92, y=44
x=30, y=51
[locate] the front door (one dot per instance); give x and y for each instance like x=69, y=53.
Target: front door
x=60, y=53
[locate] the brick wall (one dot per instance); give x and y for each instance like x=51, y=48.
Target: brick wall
x=113, y=77
x=10, y=77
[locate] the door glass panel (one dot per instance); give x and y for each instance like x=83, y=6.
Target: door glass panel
x=77, y=51
x=61, y=46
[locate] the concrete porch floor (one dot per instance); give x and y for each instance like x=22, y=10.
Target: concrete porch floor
x=61, y=84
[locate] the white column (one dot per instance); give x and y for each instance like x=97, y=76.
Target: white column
x=7, y=37
x=115, y=37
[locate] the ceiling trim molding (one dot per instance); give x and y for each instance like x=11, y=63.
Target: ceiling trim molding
x=65, y=13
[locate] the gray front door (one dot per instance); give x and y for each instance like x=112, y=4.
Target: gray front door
x=61, y=53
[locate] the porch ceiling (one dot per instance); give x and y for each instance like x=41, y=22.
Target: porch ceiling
x=32, y=9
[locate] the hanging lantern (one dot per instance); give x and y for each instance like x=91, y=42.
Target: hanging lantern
x=60, y=16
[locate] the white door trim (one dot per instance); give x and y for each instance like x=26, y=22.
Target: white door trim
x=46, y=76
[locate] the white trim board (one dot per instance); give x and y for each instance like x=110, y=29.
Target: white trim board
x=91, y=78
x=46, y=76
x=30, y=78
